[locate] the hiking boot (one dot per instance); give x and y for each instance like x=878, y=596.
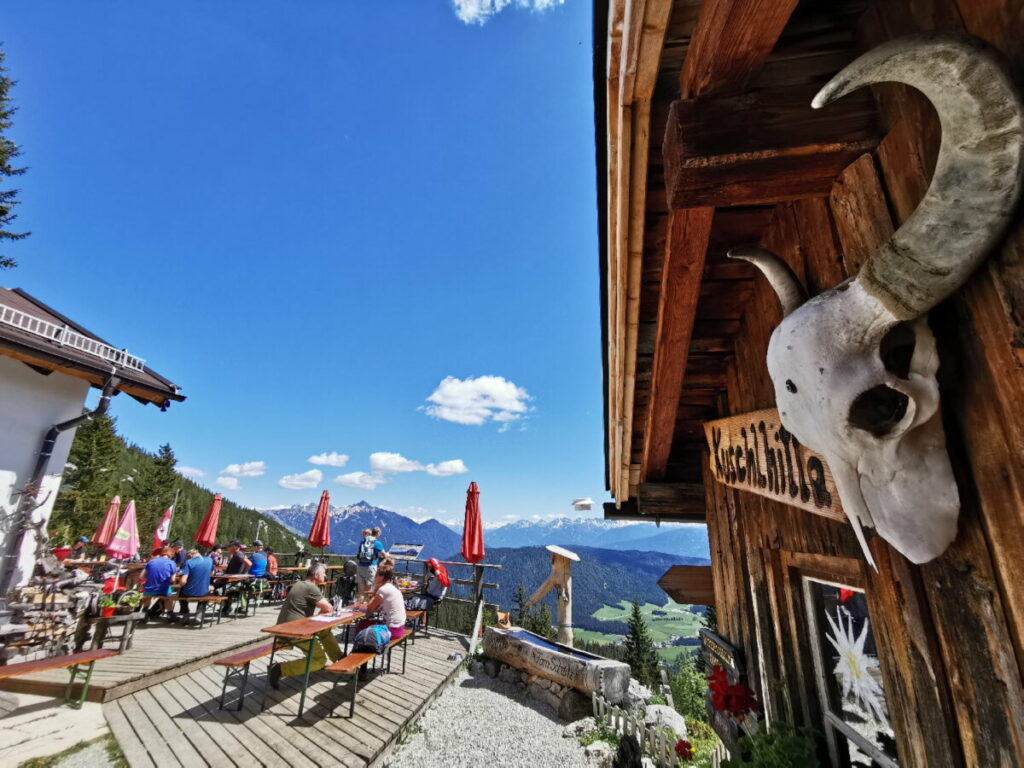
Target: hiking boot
x=274, y=676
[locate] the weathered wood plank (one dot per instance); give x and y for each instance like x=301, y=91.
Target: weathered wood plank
x=762, y=147
x=680, y=288
x=731, y=41
x=861, y=216
x=689, y=584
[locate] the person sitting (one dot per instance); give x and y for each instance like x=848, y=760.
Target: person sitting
x=387, y=600
x=258, y=558
x=159, y=572
x=178, y=554
x=216, y=556
x=271, y=563
x=194, y=579
x=435, y=589
x=303, y=600
x=77, y=551
x=238, y=564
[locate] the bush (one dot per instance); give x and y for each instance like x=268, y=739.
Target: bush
x=781, y=747
x=689, y=689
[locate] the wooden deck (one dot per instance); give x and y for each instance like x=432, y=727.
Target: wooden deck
x=177, y=722
x=159, y=652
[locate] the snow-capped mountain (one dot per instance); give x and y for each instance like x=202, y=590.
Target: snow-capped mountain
x=347, y=524
x=690, y=540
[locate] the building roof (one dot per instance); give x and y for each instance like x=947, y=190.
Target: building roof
x=45, y=339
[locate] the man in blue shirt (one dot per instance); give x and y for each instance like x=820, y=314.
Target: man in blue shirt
x=194, y=579
x=258, y=558
x=159, y=572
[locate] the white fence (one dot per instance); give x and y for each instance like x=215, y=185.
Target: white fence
x=656, y=741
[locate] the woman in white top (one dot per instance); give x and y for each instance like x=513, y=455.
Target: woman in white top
x=388, y=600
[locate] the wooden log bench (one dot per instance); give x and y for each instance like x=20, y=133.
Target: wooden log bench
x=201, y=603
x=71, y=662
x=237, y=665
x=354, y=663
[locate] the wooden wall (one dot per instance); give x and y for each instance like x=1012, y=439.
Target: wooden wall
x=951, y=633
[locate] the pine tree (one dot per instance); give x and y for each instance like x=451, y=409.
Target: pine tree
x=8, y=151
x=154, y=488
x=520, y=614
x=543, y=622
x=640, y=653
x=90, y=477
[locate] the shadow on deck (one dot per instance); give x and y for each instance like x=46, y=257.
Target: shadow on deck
x=176, y=722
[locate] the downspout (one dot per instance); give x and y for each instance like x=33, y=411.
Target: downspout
x=35, y=483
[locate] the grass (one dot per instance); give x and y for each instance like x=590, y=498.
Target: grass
x=678, y=621
x=114, y=755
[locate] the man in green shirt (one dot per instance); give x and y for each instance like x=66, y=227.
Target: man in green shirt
x=303, y=600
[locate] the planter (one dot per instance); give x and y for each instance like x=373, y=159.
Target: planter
x=123, y=610
x=571, y=668
x=107, y=611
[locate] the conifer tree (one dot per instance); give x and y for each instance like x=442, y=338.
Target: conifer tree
x=640, y=653
x=520, y=614
x=90, y=477
x=8, y=152
x=154, y=488
x=543, y=622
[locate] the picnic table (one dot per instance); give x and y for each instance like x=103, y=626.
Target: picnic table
x=302, y=633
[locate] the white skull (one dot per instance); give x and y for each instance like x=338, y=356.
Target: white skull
x=854, y=368
x=859, y=387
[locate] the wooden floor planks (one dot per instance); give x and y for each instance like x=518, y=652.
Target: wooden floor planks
x=176, y=721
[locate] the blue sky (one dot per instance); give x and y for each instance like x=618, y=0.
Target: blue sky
x=311, y=215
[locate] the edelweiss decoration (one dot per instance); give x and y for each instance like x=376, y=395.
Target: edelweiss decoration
x=854, y=367
x=854, y=667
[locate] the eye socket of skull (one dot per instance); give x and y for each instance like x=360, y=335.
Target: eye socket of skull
x=897, y=349
x=879, y=410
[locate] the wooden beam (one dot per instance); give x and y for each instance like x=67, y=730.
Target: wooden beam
x=689, y=584
x=685, y=250
x=763, y=147
x=731, y=41
x=671, y=498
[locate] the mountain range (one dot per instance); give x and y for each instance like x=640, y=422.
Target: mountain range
x=347, y=524
x=439, y=540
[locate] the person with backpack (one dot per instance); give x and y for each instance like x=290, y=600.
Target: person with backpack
x=303, y=600
x=367, y=559
x=435, y=589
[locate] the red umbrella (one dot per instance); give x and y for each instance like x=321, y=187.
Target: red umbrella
x=320, y=532
x=107, y=528
x=473, y=529
x=126, y=540
x=206, y=536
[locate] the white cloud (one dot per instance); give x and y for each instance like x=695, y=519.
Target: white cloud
x=230, y=483
x=332, y=459
x=479, y=11
x=447, y=468
x=190, y=472
x=245, y=469
x=362, y=480
x=301, y=481
x=392, y=464
x=475, y=400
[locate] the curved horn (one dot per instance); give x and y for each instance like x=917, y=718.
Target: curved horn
x=977, y=176
x=787, y=287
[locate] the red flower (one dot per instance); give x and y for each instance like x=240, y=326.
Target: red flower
x=725, y=697
x=684, y=750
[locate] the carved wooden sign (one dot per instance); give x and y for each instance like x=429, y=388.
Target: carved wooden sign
x=754, y=452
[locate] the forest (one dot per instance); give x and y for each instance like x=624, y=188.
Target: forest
x=102, y=464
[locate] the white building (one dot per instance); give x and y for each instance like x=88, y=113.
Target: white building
x=47, y=365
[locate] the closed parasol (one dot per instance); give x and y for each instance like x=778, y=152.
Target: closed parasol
x=320, y=532
x=206, y=536
x=108, y=527
x=125, y=543
x=473, y=529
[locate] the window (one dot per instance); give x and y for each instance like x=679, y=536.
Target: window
x=848, y=677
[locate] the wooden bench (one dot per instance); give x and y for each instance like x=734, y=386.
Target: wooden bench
x=201, y=603
x=416, y=619
x=353, y=664
x=71, y=662
x=238, y=665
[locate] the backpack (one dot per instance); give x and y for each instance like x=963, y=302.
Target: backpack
x=366, y=551
x=373, y=639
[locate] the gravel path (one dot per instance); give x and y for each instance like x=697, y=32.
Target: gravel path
x=481, y=721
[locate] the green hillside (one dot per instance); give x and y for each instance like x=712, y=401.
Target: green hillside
x=101, y=464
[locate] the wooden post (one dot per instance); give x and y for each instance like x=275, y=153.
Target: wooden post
x=560, y=580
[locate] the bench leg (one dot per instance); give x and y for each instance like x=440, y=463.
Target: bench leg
x=85, y=685
x=241, y=691
x=266, y=690
x=405, y=650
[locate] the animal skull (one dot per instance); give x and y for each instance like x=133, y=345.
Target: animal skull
x=854, y=367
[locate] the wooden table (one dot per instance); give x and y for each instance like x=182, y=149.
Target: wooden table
x=304, y=631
